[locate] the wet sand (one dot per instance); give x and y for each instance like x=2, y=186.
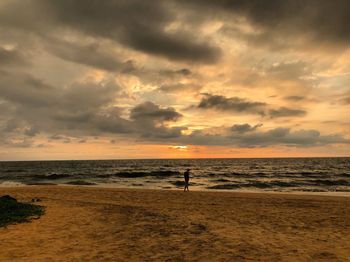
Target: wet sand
x=94, y=224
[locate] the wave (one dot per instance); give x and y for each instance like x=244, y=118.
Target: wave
x=221, y=180
x=256, y=184
x=122, y=174
x=14, y=170
x=237, y=174
x=51, y=176
x=283, y=184
x=224, y=186
x=326, y=182
x=158, y=174
x=40, y=184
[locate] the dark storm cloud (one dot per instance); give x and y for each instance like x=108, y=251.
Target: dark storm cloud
x=173, y=46
x=136, y=24
x=144, y=25
x=149, y=110
x=318, y=19
x=234, y=104
x=286, y=112
x=244, y=128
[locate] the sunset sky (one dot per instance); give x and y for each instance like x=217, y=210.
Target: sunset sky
x=91, y=79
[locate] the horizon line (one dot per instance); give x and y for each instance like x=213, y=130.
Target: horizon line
x=192, y=158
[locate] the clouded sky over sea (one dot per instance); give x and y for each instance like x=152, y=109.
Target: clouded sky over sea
x=91, y=79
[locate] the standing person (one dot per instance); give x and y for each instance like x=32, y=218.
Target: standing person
x=187, y=179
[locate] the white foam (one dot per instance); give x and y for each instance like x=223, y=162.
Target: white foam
x=11, y=184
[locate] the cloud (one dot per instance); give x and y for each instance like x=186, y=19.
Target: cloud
x=31, y=131
x=12, y=57
x=285, y=136
x=233, y=104
x=49, y=108
x=82, y=108
x=121, y=70
x=112, y=124
x=179, y=87
x=345, y=101
x=294, y=98
x=239, y=105
x=87, y=54
x=24, y=89
x=149, y=121
x=290, y=70
x=149, y=110
x=11, y=125
x=168, y=76
x=244, y=128
x=56, y=137
x=173, y=46
x=135, y=24
x=291, y=18
x=286, y=112
x=274, y=137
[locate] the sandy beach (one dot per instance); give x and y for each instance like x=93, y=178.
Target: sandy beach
x=94, y=224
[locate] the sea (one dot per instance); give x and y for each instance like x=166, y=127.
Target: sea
x=329, y=175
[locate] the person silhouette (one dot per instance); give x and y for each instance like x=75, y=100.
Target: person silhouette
x=187, y=179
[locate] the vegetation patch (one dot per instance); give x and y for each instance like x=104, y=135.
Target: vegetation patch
x=12, y=211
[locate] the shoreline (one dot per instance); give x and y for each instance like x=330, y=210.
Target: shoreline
x=237, y=191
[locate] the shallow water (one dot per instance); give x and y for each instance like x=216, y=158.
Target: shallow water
x=274, y=174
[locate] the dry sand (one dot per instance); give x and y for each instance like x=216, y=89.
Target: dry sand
x=94, y=224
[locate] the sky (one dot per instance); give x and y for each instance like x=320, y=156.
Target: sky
x=116, y=79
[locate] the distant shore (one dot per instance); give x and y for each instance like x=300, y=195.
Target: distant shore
x=101, y=224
